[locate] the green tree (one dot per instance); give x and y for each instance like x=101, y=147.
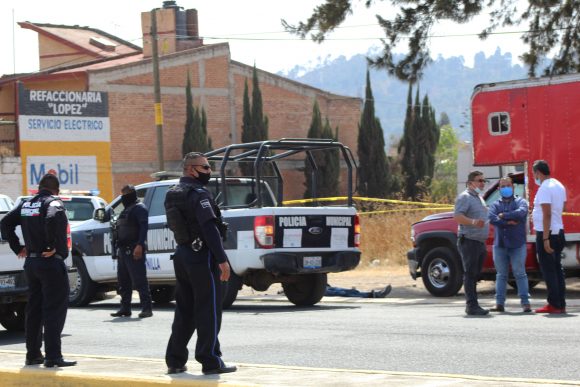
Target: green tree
x=187, y=143
x=418, y=146
x=373, y=176
x=327, y=161
x=444, y=185
x=254, y=122
x=552, y=27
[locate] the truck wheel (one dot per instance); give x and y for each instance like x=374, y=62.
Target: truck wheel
x=308, y=290
x=13, y=317
x=162, y=294
x=442, y=272
x=82, y=287
x=230, y=290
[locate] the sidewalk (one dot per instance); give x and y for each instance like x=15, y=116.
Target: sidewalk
x=127, y=372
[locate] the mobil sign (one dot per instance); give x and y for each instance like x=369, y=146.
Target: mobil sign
x=73, y=172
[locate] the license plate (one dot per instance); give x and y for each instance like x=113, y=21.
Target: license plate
x=312, y=262
x=7, y=282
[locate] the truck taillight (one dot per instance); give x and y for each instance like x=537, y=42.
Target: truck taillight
x=264, y=231
x=356, y=231
x=68, y=237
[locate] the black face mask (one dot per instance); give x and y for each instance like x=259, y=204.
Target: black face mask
x=129, y=199
x=203, y=178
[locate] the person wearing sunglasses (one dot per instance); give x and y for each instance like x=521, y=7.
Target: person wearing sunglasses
x=200, y=262
x=549, y=204
x=471, y=215
x=508, y=215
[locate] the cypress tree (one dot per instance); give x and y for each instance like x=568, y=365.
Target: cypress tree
x=329, y=175
x=195, y=138
x=406, y=146
x=373, y=169
x=314, y=131
x=259, y=122
x=187, y=143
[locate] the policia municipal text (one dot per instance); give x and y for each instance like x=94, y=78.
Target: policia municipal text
x=200, y=262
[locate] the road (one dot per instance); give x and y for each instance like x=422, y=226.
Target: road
x=394, y=334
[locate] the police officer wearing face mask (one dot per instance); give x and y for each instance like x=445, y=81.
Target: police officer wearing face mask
x=200, y=263
x=131, y=243
x=44, y=226
x=471, y=215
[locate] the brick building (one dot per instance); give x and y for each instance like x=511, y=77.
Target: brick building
x=86, y=59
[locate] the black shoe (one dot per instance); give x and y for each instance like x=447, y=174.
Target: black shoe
x=121, y=313
x=497, y=308
x=222, y=370
x=145, y=314
x=59, y=363
x=35, y=361
x=477, y=311
x=176, y=370
x=382, y=293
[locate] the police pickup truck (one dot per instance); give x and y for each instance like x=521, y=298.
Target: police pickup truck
x=266, y=242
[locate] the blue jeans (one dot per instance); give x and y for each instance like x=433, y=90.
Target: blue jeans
x=502, y=258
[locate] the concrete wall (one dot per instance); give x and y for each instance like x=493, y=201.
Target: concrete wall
x=11, y=176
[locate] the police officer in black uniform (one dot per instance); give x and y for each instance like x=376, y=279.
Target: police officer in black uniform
x=130, y=244
x=200, y=263
x=44, y=226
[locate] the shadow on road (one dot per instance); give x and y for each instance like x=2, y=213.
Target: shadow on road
x=10, y=337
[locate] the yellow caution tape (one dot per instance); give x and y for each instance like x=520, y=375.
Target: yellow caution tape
x=363, y=199
x=428, y=206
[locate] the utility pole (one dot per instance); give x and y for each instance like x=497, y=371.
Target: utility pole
x=157, y=90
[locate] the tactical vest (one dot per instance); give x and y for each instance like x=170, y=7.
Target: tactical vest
x=127, y=229
x=180, y=213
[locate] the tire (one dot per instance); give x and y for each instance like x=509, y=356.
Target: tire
x=531, y=283
x=13, y=317
x=442, y=272
x=82, y=287
x=162, y=294
x=307, y=291
x=230, y=290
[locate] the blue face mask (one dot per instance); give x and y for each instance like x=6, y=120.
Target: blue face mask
x=479, y=190
x=538, y=181
x=506, y=192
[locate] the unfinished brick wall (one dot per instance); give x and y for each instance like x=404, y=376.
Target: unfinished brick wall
x=217, y=83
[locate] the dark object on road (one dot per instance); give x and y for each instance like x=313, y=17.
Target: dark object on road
x=332, y=291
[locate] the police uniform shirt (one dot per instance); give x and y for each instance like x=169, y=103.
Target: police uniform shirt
x=206, y=217
x=43, y=221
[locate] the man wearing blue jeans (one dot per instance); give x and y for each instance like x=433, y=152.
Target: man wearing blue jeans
x=508, y=216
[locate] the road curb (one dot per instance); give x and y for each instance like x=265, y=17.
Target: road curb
x=98, y=371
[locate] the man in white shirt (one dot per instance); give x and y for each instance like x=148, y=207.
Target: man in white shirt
x=549, y=205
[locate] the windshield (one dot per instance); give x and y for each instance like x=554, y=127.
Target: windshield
x=78, y=209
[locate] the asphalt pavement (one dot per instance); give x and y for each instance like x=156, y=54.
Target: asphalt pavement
x=340, y=342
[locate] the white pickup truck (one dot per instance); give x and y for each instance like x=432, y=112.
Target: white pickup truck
x=266, y=242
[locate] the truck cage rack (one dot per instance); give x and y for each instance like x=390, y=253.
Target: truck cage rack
x=268, y=152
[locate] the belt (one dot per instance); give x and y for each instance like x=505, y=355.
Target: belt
x=39, y=255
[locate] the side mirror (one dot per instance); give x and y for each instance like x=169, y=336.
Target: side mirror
x=101, y=215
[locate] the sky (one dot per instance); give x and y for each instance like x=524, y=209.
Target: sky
x=252, y=28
